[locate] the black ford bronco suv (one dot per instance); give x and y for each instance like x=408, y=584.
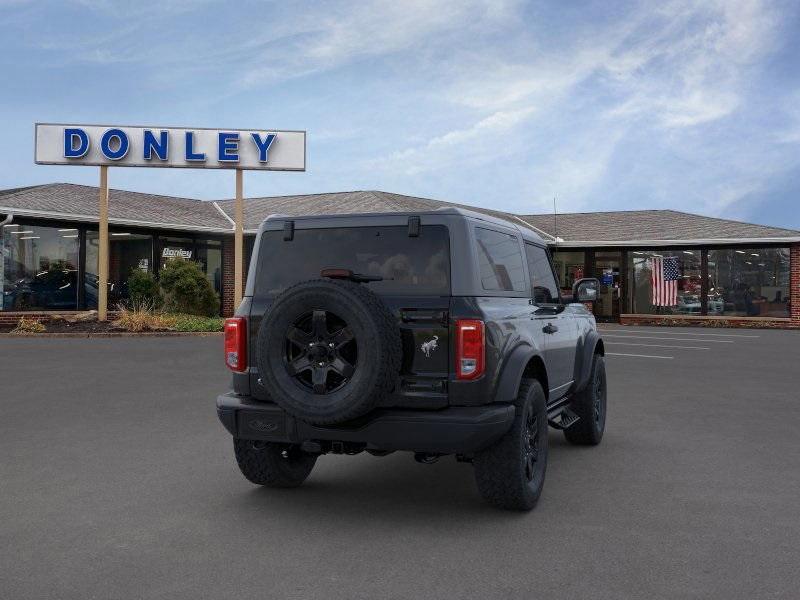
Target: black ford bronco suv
x=440, y=332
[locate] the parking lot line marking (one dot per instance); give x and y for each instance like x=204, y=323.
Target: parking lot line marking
x=736, y=335
x=638, y=355
x=650, y=337
x=659, y=346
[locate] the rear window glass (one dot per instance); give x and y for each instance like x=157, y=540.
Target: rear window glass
x=500, y=261
x=408, y=265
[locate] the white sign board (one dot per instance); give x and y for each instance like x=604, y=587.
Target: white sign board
x=189, y=148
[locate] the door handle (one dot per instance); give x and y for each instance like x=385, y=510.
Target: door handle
x=549, y=328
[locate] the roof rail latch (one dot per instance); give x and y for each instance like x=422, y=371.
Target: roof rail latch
x=413, y=226
x=288, y=231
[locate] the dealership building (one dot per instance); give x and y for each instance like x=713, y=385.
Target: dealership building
x=728, y=272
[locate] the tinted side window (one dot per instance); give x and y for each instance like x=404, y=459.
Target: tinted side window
x=545, y=289
x=500, y=261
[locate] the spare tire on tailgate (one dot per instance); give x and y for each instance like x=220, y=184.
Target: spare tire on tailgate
x=328, y=351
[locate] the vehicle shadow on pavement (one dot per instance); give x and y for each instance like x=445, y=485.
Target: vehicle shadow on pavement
x=394, y=487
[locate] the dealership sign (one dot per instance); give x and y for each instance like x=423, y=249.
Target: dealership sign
x=176, y=253
x=193, y=148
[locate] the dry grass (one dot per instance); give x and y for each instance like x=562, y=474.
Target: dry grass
x=142, y=317
x=26, y=325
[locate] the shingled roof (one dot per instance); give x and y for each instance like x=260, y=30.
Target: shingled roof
x=337, y=203
x=79, y=203
x=640, y=227
x=635, y=226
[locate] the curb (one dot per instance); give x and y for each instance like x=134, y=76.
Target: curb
x=114, y=334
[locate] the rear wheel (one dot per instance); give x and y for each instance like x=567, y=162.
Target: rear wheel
x=510, y=474
x=590, y=405
x=273, y=465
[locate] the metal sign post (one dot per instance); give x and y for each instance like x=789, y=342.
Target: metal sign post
x=176, y=147
x=102, y=255
x=238, y=240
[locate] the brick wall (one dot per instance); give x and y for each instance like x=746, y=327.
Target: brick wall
x=710, y=321
x=12, y=318
x=227, y=277
x=794, y=283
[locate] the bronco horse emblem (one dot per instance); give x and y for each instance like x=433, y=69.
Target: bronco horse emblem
x=430, y=346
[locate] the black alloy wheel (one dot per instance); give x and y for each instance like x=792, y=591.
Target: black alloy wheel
x=328, y=351
x=590, y=405
x=599, y=397
x=530, y=445
x=321, y=352
x=510, y=473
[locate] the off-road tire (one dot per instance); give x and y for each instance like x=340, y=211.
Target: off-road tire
x=590, y=405
x=502, y=471
x=273, y=465
x=374, y=330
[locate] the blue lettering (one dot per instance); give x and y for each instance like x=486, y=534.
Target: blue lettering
x=159, y=146
x=122, y=147
x=263, y=145
x=190, y=153
x=70, y=137
x=228, y=142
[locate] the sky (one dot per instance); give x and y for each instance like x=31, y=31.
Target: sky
x=505, y=104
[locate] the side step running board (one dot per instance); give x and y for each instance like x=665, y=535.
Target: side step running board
x=562, y=419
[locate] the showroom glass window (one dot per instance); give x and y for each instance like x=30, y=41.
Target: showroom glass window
x=645, y=299
x=176, y=247
x=747, y=282
x=209, y=255
x=128, y=251
x=499, y=261
x=39, y=267
x=569, y=267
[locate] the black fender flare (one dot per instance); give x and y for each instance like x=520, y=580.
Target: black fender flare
x=513, y=370
x=584, y=357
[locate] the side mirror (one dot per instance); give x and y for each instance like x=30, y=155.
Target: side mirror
x=585, y=290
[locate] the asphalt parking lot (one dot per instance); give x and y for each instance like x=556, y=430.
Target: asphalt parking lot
x=118, y=482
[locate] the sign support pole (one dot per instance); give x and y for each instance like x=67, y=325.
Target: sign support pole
x=238, y=242
x=102, y=258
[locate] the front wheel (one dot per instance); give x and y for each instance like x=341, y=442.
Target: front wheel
x=590, y=405
x=273, y=465
x=510, y=474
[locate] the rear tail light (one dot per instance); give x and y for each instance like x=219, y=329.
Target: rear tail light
x=470, y=349
x=236, y=344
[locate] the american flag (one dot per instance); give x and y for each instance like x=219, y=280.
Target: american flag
x=664, y=277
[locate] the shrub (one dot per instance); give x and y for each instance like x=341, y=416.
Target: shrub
x=141, y=316
x=143, y=288
x=186, y=289
x=27, y=325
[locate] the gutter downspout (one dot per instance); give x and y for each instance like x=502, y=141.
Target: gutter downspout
x=7, y=220
x=543, y=234
x=224, y=214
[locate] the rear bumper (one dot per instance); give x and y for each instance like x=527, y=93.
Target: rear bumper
x=454, y=430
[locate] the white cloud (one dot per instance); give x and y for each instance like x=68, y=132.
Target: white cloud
x=476, y=143
x=680, y=67
x=347, y=32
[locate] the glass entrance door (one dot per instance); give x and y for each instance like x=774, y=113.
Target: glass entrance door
x=607, y=268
